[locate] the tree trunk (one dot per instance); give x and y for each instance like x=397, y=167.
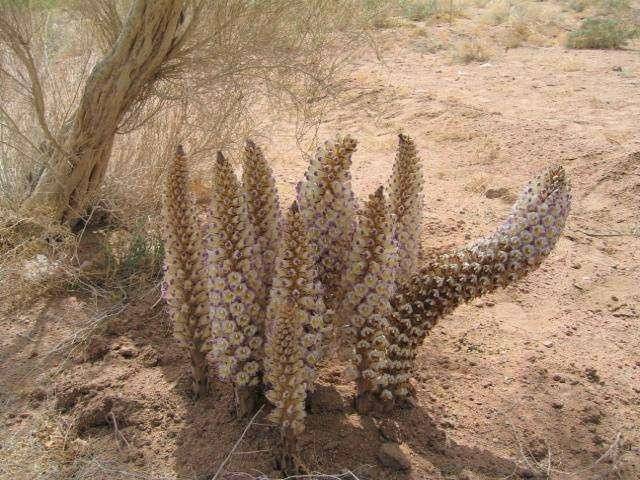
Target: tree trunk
x=116, y=84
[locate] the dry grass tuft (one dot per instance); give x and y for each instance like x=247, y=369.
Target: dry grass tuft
x=525, y=21
x=472, y=50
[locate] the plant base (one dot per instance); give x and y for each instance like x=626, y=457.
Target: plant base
x=199, y=374
x=287, y=460
x=367, y=403
x=246, y=400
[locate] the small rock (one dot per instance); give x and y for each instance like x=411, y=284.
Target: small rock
x=149, y=356
x=467, y=475
x=496, y=192
x=128, y=351
x=548, y=344
x=592, y=416
x=537, y=448
x=576, y=266
x=394, y=456
x=592, y=375
x=614, y=298
x=558, y=378
x=557, y=405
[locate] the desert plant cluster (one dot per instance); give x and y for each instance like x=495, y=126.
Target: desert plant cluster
x=261, y=297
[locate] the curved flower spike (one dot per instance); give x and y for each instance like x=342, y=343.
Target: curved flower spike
x=517, y=247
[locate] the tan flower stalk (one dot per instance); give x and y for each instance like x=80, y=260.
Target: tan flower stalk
x=329, y=207
x=518, y=246
x=262, y=202
x=236, y=290
x=371, y=283
x=405, y=200
x=295, y=286
x=286, y=374
x=186, y=280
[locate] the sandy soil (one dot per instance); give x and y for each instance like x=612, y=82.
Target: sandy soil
x=541, y=380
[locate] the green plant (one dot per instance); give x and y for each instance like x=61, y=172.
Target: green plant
x=418, y=10
x=602, y=33
x=144, y=254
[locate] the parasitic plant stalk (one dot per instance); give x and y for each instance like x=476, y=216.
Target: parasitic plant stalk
x=186, y=280
x=236, y=293
x=295, y=286
x=405, y=201
x=262, y=202
x=287, y=375
x=329, y=208
x=370, y=281
x=517, y=247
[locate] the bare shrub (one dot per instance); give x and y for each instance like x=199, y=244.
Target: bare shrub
x=234, y=55
x=230, y=64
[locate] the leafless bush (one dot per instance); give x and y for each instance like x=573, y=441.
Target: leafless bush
x=229, y=64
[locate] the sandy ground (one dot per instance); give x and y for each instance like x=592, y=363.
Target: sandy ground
x=541, y=380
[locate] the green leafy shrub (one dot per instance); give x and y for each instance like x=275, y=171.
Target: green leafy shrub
x=602, y=33
x=418, y=10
